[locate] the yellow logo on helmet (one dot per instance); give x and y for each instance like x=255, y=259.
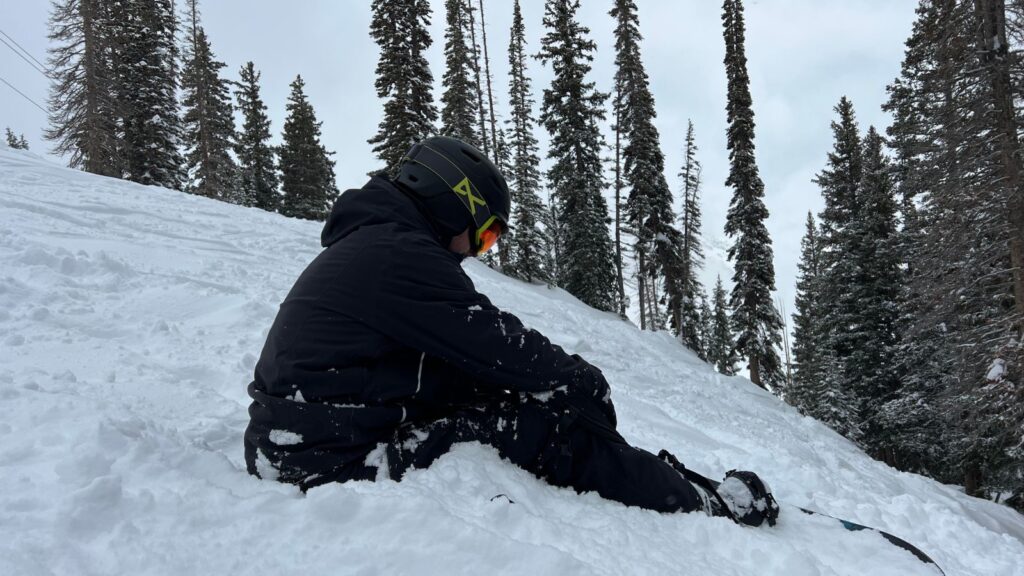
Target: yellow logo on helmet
x=464, y=189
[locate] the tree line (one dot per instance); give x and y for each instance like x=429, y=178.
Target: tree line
x=909, y=328
x=139, y=94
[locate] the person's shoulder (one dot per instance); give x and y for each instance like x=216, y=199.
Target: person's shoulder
x=420, y=247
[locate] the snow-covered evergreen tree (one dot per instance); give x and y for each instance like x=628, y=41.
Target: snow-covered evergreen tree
x=147, y=91
x=494, y=138
x=839, y=182
x=808, y=346
x=83, y=104
x=529, y=242
x=756, y=322
x=400, y=29
x=648, y=205
x=721, y=348
x=571, y=111
x=209, y=127
x=307, y=171
x=920, y=432
x=954, y=135
x=683, y=300
x=706, y=322
x=870, y=369
x=15, y=142
x=460, y=102
x=256, y=156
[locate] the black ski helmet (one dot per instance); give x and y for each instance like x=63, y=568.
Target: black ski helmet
x=458, y=185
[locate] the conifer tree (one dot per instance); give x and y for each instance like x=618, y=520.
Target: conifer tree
x=256, y=156
x=839, y=182
x=683, y=294
x=492, y=137
x=83, y=104
x=476, y=56
x=530, y=253
x=496, y=136
x=209, y=128
x=721, y=346
x=571, y=111
x=808, y=378
x=14, y=141
x=147, y=91
x=756, y=322
x=706, y=321
x=618, y=224
x=399, y=28
x=648, y=206
x=957, y=161
x=916, y=97
x=460, y=103
x=307, y=171
x=870, y=369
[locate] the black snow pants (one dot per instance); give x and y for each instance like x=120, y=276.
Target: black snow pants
x=566, y=441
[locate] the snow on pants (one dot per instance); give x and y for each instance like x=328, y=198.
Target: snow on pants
x=562, y=440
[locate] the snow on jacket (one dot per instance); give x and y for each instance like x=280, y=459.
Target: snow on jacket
x=383, y=328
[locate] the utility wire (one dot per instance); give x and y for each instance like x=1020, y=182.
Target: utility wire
x=29, y=54
x=34, y=103
x=22, y=56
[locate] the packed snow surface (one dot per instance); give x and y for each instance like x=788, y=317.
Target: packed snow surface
x=130, y=321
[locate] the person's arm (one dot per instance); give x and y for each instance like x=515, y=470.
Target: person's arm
x=424, y=300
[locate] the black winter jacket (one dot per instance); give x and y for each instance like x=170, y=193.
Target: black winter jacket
x=383, y=328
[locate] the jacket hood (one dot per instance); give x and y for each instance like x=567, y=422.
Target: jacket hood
x=378, y=202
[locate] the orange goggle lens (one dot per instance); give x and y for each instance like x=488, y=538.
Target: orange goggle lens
x=489, y=236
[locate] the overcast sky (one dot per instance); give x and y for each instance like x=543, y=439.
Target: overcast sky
x=803, y=55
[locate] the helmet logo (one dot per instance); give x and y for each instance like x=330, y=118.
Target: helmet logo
x=464, y=189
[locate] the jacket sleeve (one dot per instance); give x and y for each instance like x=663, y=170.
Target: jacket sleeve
x=424, y=300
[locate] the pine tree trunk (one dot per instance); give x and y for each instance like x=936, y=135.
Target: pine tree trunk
x=618, y=205
x=785, y=345
x=755, y=371
x=91, y=66
x=654, y=304
x=490, y=94
x=685, y=282
x=642, y=290
x=479, y=86
x=972, y=480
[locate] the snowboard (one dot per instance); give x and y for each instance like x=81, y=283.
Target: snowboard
x=894, y=540
x=851, y=526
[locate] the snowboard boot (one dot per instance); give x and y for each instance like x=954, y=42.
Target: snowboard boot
x=742, y=496
x=749, y=498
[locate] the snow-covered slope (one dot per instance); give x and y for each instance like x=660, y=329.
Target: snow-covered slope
x=130, y=320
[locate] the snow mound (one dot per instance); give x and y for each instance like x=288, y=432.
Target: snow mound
x=130, y=321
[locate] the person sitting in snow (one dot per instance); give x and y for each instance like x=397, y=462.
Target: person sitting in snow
x=384, y=355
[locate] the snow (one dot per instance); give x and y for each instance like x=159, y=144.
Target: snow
x=996, y=371
x=130, y=321
x=285, y=437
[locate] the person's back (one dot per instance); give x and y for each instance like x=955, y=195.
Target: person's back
x=320, y=394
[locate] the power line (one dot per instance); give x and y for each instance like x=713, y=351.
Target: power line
x=29, y=54
x=34, y=103
x=20, y=55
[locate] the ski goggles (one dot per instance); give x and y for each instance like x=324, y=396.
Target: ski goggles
x=488, y=235
x=488, y=226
